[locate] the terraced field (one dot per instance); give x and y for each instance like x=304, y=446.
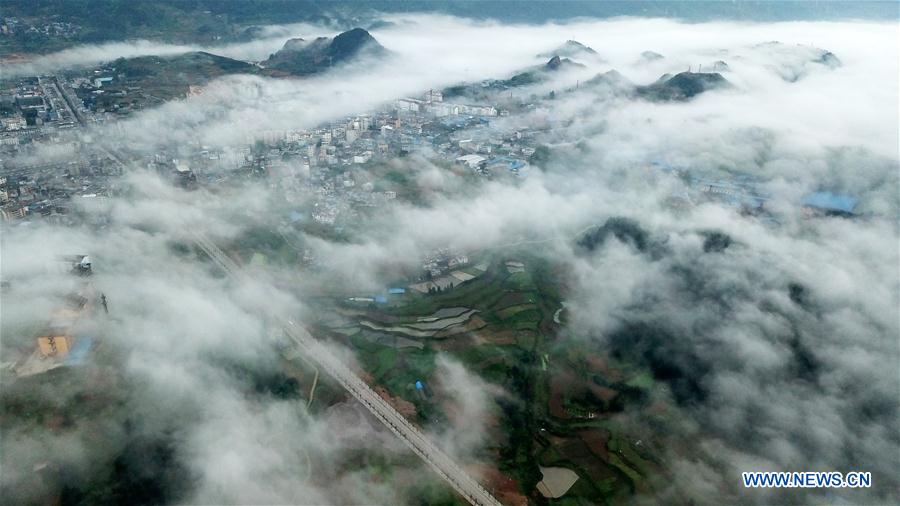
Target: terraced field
x=500, y=325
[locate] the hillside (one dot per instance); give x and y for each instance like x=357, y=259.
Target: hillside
x=540, y=73
x=793, y=62
x=170, y=76
x=299, y=57
x=683, y=86
x=571, y=49
x=187, y=68
x=610, y=83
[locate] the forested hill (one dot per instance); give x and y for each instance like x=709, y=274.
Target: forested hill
x=212, y=21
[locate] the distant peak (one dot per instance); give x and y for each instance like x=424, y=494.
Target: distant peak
x=299, y=57
x=571, y=49
x=610, y=78
x=574, y=44
x=683, y=86
x=351, y=41
x=294, y=44
x=557, y=63
x=356, y=35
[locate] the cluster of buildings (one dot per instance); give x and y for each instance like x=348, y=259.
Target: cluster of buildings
x=380, y=298
x=738, y=194
x=322, y=162
x=490, y=166
x=440, y=261
x=443, y=269
x=52, y=191
x=742, y=192
x=433, y=104
x=465, y=134
x=32, y=102
x=13, y=26
x=99, y=95
x=107, y=95
x=66, y=337
x=339, y=197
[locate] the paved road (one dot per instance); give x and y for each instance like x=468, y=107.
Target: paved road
x=70, y=102
x=440, y=462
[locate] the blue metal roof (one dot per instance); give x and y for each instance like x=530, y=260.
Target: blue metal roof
x=511, y=163
x=80, y=351
x=831, y=201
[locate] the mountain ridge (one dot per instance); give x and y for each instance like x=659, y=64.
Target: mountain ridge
x=298, y=57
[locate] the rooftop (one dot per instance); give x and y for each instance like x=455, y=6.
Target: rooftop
x=831, y=201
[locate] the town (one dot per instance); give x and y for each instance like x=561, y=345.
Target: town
x=335, y=164
x=518, y=253
x=329, y=177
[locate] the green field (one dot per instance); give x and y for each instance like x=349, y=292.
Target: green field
x=520, y=349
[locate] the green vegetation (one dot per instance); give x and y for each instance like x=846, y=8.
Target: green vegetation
x=643, y=381
x=565, y=393
x=430, y=492
x=683, y=86
x=519, y=281
x=513, y=310
x=258, y=244
x=87, y=405
x=397, y=369
x=152, y=80
x=197, y=21
x=541, y=156
x=299, y=58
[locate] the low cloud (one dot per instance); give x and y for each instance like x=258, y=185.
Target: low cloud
x=777, y=353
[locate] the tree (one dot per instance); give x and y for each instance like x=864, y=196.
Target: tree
x=540, y=156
